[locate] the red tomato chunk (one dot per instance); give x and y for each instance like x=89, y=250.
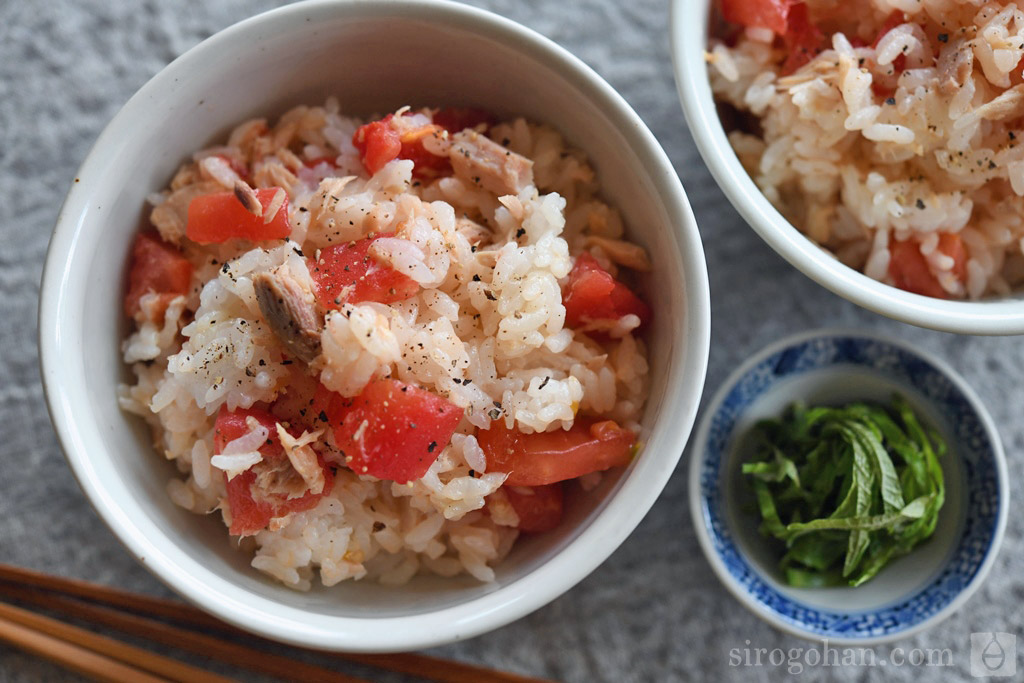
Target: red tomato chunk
x=220, y=216
x=547, y=457
x=787, y=18
x=455, y=119
x=293, y=406
x=156, y=268
x=347, y=273
x=232, y=424
x=910, y=271
x=426, y=165
x=252, y=510
x=392, y=430
x=539, y=508
x=772, y=14
x=379, y=142
x=593, y=294
x=802, y=38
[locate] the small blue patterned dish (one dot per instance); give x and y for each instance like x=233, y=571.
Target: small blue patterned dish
x=913, y=592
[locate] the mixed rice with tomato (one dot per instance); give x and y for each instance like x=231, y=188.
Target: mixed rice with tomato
x=888, y=131
x=385, y=348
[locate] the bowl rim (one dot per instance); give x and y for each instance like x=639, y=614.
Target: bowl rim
x=688, y=36
x=697, y=500
x=583, y=553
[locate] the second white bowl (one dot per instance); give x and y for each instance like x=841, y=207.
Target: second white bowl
x=689, y=35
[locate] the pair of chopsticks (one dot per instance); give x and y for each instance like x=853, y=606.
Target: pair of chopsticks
x=107, y=659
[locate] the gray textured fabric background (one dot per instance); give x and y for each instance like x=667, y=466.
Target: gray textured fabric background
x=654, y=611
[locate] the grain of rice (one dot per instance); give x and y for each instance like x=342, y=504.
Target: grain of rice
x=180, y=494
x=276, y=202
x=219, y=170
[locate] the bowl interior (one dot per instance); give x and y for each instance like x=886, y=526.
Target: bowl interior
x=911, y=591
x=838, y=385
x=366, y=54
x=689, y=27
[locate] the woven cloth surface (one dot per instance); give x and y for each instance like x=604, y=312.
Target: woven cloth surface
x=654, y=610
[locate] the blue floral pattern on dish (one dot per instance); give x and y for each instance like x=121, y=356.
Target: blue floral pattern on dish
x=980, y=485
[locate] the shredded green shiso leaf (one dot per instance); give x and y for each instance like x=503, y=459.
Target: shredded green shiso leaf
x=846, y=489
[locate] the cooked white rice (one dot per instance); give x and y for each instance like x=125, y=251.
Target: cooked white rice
x=857, y=153
x=491, y=314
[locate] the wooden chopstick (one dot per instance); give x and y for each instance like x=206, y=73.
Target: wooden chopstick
x=133, y=656
x=424, y=666
x=183, y=639
x=73, y=657
x=115, y=597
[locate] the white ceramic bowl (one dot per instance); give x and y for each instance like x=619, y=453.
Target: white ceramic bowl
x=689, y=35
x=835, y=367
x=369, y=54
